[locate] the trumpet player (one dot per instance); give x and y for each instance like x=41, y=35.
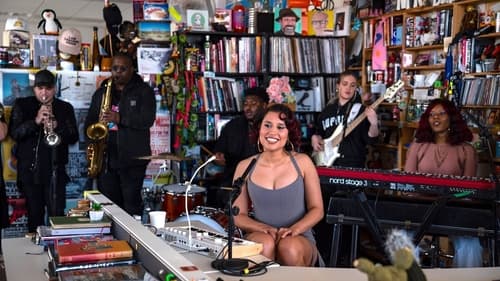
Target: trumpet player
x=43, y=127
x=128, y=117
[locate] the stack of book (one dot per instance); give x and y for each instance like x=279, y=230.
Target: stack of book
x=64, y=228
x=74, y=225
x=89, y=254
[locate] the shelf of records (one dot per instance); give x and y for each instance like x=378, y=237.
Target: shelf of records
x=224, y=52
x=323, y=55
x=480, y=91
x=221, y=94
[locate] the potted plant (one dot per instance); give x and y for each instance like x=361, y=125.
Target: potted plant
x=96, y=212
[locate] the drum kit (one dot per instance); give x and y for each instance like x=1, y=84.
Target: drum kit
x=172, y=199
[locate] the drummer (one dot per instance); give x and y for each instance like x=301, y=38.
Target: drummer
x=230, y=152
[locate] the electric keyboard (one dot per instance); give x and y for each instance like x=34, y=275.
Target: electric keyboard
x=355, y=178
x=208, y=243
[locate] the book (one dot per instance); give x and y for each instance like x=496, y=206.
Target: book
x=123, y=272
x=46, y=231
x=54, y=266
x=94, y=251
x=58, y=222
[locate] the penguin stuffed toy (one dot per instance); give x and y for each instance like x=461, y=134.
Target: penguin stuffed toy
x=49, y=22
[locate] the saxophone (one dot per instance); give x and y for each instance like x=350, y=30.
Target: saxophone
x=98, y=133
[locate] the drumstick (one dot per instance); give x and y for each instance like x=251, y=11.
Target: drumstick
x=210, y=153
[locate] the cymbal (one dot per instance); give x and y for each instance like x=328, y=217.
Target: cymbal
x=165, y=156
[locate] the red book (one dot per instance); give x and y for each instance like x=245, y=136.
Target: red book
x=94, y=251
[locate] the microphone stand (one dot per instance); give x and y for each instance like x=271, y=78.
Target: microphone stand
x=233, y=265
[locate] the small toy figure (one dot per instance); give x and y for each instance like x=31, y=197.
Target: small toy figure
x=404, y=265
x=395, y=272
x=49, y=22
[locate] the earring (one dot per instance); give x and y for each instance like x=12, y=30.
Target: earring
x=291, y=145
x=259, y=148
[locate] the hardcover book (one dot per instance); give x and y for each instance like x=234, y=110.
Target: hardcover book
x=46, y=231
x=59, y=222
x=94, y=251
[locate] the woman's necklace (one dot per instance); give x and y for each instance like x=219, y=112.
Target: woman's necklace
x=440, y=155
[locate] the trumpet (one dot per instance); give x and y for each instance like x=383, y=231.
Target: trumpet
x=50, y=136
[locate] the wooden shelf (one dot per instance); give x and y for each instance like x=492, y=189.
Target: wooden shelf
x=493, y=73
x=386, y=146
x=480, y=107
x=425, y=67
x=404, y=129
x=489, y=35
x=425, y=48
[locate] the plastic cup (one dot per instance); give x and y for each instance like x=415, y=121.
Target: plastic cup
x=157, y=218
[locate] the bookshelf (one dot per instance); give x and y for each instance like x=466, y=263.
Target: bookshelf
x=224, y=64
x=419, y=41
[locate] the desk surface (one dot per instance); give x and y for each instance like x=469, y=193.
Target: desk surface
x=27, y=261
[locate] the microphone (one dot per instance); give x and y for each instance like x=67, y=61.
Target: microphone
x=239, y=181
x=199, y=168
x=188, y=188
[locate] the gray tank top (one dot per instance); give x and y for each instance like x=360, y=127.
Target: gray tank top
x=282, y=207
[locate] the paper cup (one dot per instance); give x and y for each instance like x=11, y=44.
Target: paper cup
x=157, y=218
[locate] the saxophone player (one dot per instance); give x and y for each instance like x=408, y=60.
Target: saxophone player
x=128, y=117
x=41, y=167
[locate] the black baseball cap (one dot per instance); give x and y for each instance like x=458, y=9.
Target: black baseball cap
x=258, y=92
x=44, y=78
x=287, y=12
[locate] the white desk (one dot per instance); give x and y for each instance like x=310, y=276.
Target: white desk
x=21, y=266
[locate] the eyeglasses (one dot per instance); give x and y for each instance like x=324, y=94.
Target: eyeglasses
x=318, y=22
x=438, y=114
x=119, y=68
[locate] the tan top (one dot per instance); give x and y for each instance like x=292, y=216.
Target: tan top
x=442, y=159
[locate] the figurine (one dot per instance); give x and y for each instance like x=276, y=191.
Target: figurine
x=49, y=23
x=402, y=253
x=395, y=272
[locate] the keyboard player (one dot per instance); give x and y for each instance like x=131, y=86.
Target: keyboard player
x=441, y=146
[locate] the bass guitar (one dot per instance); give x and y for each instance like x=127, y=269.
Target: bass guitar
x=330, y=152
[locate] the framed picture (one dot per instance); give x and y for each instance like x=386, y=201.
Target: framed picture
x=342, y=21
x=44, y=50
x=320, y=23
x=288, y=21
x=15, y=84
x=198, y=19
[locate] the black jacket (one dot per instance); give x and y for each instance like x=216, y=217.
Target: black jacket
x=27, y=134
x=137, y=107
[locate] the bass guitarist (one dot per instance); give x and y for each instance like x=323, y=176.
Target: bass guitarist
x=352, y=148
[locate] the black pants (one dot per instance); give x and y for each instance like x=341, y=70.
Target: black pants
x=123, y=186
x=40, y=196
